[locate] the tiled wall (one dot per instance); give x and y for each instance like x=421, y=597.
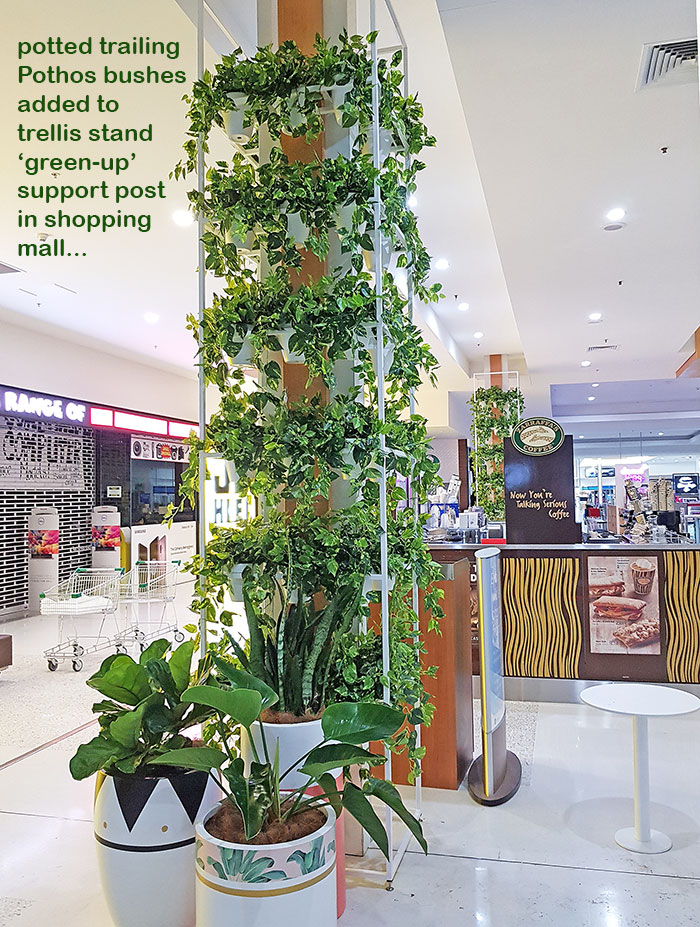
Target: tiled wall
x=74, y=509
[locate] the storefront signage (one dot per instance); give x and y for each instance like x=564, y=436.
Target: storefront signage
x=539, y=493
x=34, y=458
x=685, y=485
x=36, y=405
x=537, y=437
x=144, y=449
x=49, y=408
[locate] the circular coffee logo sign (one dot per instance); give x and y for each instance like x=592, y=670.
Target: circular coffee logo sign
x=537, y=436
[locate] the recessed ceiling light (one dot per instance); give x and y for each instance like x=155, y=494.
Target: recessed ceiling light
x=412, y=201
x=580, y=436
x=585, y=363
x=614, y=215
x=660, y=433
x=595, y=316
x=463, y=307
x=183, y=217
x=591, y=398
x=442, y=264
x=151, y=317
x=595, y=385
x=478, y=334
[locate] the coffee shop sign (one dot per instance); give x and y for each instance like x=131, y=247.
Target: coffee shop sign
x=537, y=437
x=39, y=406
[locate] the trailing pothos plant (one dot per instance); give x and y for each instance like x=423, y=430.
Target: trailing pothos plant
x=257, y=795
x=301, y=570
x=495, y=412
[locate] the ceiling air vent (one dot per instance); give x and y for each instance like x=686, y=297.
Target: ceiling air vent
x=603, y=347
x=669, y=63
x=9, y=269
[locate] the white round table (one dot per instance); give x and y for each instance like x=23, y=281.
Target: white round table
x=641, y=702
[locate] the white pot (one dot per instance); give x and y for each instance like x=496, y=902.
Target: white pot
x=291, y=357
x=373, y=583
x=277, y=885
x=144, y=828
x=233, y=119
x=295, y=740
x=235, y=579
x=245, y=354
x=297, y=228
x=368, y=340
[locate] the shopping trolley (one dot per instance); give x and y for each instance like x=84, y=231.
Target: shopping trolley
x=86, y=592
x=151, y=582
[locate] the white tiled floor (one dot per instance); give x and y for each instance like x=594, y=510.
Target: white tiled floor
x=546, y=858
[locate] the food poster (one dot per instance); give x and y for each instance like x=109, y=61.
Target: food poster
x=42, y=544
x=106, y=537
x=623, y=597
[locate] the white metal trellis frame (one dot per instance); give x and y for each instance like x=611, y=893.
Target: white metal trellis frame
x=395, y=856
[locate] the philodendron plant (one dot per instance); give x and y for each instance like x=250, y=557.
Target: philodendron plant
x=142, y=715
x=256, y=793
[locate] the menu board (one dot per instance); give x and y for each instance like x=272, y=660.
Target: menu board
x=623, y=596
x=539, y=493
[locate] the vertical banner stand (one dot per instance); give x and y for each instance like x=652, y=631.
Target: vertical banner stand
x=42, y=538
x=495, y=776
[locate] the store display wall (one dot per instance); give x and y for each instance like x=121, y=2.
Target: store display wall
x=74, y=508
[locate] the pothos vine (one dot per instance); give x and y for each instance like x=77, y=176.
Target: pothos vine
x=495, y=412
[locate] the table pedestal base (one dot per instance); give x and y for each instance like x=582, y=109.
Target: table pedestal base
x=657, y=842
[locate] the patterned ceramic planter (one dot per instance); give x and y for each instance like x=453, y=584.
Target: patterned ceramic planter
x=287, y=884
x=144, y=828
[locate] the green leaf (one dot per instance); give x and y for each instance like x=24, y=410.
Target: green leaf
x=99, y=753
x=360, y=722
x=202, y=758
x=330, y=789
x=252, y=795
x=355, y=803
x=180, y=665
x=155, y=651
x=122, y=679
x=388, y=793
x=239, y=679
x=126, y=729
x=332, y=756
x=241, y=705
x=160, y=674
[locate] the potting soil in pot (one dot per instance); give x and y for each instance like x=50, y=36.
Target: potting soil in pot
x=227, y=825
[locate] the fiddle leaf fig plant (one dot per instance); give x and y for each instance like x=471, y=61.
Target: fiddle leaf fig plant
x=142, y=714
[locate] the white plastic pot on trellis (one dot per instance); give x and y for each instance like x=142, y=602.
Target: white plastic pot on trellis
x=373, y=583
x=233, y=119
x=297, y=228
x=368, y=340
x=291, y=357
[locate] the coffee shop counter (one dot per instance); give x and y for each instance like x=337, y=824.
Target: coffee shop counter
x=594, y=611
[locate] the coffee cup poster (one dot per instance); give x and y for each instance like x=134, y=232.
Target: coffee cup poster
x=623, y=595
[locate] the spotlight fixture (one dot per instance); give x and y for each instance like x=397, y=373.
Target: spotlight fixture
x=595, y=316
x=615, y=215
x=183, y=217
x=151, y=317
x=591, y=398
x=442, y=264
x=463, y=307
x=585, y=363
x=660, y=433
x=595, y=385
x=478, y=334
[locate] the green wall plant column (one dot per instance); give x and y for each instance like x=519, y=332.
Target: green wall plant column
x=495, y=412
x=302, y=570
